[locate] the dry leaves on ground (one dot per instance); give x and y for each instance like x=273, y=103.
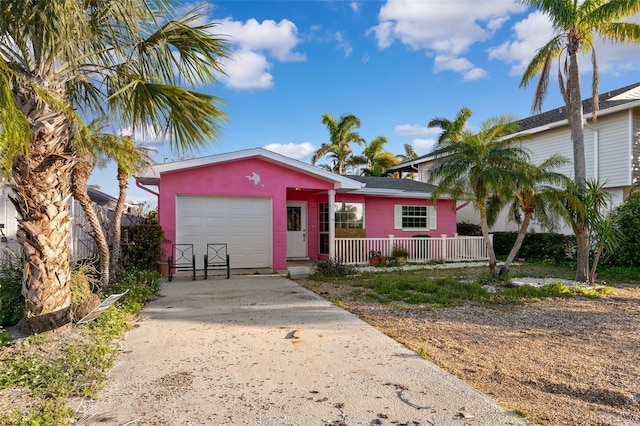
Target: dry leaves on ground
x=563, y=362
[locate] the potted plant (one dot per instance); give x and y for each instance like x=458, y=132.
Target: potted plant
x=375, y=258
x=400, y=254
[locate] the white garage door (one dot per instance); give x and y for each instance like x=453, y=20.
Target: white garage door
x=243, y=223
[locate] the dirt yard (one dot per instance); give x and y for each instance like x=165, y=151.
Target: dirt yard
x=559, y=362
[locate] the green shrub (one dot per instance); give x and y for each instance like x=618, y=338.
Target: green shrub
x=84, y=279
x=468, y=228
x=542, y=246
x=139, y=285
x=628, y=221
x=75, y=368
x=11, y=299
x=144, y=247
x=333, y=268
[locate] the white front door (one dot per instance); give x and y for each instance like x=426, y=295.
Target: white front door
x=297, y=229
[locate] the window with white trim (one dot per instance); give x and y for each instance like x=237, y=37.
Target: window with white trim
x=415, y=218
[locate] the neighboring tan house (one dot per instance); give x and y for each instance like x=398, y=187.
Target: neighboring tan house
x=612, y=147
x=270, y=208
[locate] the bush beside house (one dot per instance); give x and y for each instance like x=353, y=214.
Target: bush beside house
x=542, y=246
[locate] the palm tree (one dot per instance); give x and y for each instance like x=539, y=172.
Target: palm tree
x=452, y=131
x=125, y=60
x=87, y=151
x=130, y=158
x=582, y=207
x=375, y=159
x=535, y=198
x=576, y=23
x=409, y=154
x=341, y=135
x=478, y=167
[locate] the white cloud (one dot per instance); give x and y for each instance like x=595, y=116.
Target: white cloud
x=533, y=32
x=296, y=151
x=415, y=130
x=355, y=6
x=247, y=70
x=254, y=44
x=343, y=44
x=423, y=145
x=278, y=39
x=460, y=65
x=443, y=28
x=145, y=136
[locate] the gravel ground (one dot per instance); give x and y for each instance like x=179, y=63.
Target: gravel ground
x=564, y=362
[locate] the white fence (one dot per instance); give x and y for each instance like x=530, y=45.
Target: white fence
x=356, y=251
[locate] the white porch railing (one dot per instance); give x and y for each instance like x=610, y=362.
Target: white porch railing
x=356, y=251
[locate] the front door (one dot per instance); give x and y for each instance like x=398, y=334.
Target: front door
x=297, y=229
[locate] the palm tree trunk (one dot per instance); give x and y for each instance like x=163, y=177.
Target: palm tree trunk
x=117, y=219
x=577, y=123
x=487, y=240
x=42, y=197
x=79, y=177
x=579, y=163
x=504, y=269
x=594, y=267
x=582, y=246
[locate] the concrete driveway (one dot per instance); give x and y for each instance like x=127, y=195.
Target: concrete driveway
x=261, y=350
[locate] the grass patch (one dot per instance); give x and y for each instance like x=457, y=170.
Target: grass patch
x=451, y=287
x=75, y=367
x=626, y=274
x=524, y=413
x=550, y=291
x=413, y=289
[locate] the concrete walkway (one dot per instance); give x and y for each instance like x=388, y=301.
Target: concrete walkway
x=261, y=350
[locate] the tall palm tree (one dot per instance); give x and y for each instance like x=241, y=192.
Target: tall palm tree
x=478, y=167
x=409, y=153
x=534, y=198
x=126, y=60
x=341, y=135
x=576, y=23
x=130, y=158
x=375, y=160
x=87, y=151
x=452, y=131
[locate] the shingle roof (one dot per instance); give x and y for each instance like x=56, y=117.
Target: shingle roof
x=100, y=197
x=408, y=185
x=548, y=117
x=560, y=114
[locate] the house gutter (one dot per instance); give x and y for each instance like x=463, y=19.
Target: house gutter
x=139, y=185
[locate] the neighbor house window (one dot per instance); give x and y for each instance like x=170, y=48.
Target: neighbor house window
x=348, y=216
x=415, y=218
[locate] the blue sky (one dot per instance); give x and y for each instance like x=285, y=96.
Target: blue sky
x=395, y=64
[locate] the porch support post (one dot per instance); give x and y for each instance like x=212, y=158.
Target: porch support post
x=332, y=224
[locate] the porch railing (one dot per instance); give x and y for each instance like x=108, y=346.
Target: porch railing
x=356, y=251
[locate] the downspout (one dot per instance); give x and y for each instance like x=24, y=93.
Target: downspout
x=596, y=148
x=139, y=185
x=463, y=205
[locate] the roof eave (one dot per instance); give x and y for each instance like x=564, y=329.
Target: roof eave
x=151, y=175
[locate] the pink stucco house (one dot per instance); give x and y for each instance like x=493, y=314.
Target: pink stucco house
x=270, y=208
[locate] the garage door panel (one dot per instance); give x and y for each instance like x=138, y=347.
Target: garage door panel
x=245, y=224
